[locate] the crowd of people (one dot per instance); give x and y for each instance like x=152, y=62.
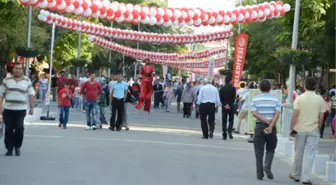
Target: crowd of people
x=312, y=109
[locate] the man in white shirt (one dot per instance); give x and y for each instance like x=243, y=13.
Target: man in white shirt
x=243, y=112
x=208, y=101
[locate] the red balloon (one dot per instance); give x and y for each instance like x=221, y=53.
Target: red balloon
x=94, y=8
x=187, y=19
x=67, y=2
x=117, y=13
x=102, y=10
x=76, y=4
x=158, y=17
x=205, y=23
x=166, y=17
x=229, y=13
x=282, y=12
x=202, y=16
x=109, y=12
x=126, y=14
x=222, y=13
x=279, y=2
x=143, y=15
x=261, y=7
x=236, y=12
x=195, y=17
x=215, y=14
x=85, y=5
x=50, y=1
x=242, y=11
x=180, y=19
x=209, y=14
x=135, y=14
x=58, y=2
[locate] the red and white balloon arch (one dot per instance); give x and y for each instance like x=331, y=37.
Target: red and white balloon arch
x=120, y=12
x=219, y=62
x=154, y=55
x=130, y=35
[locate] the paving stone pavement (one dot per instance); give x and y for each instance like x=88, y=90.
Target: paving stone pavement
x=160, y=149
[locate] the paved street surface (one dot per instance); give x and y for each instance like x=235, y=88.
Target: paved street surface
x=160, y=149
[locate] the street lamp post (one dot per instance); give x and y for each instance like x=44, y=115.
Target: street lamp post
x=110, y=57
x=28, y=36
x=79, y=49
x=288, y=108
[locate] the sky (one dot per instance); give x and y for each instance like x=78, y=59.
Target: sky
x=204, y=4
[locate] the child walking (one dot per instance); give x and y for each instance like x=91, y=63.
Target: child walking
x=64, y=97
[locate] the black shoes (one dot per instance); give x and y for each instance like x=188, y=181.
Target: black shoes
x=230, y=136
x=269, y=174
x=8, y=153
x=308, y=183
x=17, y=151
x=111, y=128
x=211, y=135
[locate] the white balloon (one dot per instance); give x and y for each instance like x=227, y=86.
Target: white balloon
x=231, y=34
x=254, y=14
x=79, y=10
x=122, y=8
x=69, y=9
x=32, y=1
x=279, y=7
x=233, y=18
x=177, y=14
x=212, y=20
x=62, y=6
x=198, y=22
x=145, y=10
x=181, y=23
x=51, y=5
x=129, y=7
x=95, y=15
x=102, y=16
x=87, y=12
x=137, y=8
x=219, y=19
x=286, y=7
x=264, y=19
x=45, y=13
x=161, y=11
x=272, y=8
x=191, y=13
x=167, y=24
x=261, y=13
x=169, y=12
x=130, y=17
x=226, y=19
x=153, y=11
x=115, y=6
x=267, y=11
x=175, y=23
x=247, y=15
x=240, y=17
x=184, y=14
x=40, y=17
x=152, y=21
x=190, y=23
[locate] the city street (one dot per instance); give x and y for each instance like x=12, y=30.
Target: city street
x=161, y=148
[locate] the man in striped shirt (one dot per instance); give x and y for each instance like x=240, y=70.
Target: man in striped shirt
x=16, y=91
x=266, y=109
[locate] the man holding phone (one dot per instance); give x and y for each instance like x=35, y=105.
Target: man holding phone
x=266, y=109
x=307, y=119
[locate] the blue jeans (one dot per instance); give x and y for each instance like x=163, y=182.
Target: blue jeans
x=91, y=112
x=42, y=94
x=64, y=115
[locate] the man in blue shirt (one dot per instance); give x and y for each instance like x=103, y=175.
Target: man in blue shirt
x=117, y=99
x=266, y=109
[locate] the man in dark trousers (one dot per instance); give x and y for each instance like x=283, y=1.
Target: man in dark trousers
x=266, y=109
x=117, y=98
x=227, y=96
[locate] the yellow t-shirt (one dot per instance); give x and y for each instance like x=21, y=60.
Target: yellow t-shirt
x=309, y=106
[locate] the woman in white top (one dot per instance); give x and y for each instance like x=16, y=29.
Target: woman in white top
x=43, y=87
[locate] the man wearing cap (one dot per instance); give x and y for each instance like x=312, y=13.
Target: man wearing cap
x=208, y=100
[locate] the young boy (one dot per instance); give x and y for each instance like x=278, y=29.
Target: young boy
x=64, y=97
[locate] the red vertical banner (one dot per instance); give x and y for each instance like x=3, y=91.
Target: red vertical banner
x=239, y=58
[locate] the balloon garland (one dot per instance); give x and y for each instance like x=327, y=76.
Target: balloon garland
x=135, y=14
x=130, y=35
x=219, y=62
x=154, y=55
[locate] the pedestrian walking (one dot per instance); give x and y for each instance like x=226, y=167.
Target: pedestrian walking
x=178, y=95
x=91, y=90
x=266, y=109
x=168, y=95
x=187, y=99
x=16, y=97
x=208, y=101
x=102, y=103
x=307, y=119
x=243, y=109
x=227, y=96
x=43, y=88
x=64, y=97
x=117, y=99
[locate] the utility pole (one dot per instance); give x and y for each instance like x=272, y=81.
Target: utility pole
x=79, y=49
x=28, y=38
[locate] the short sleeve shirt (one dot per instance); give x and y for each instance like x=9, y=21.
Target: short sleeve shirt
x=309, y=106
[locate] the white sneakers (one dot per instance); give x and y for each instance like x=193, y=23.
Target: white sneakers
x=94, y=127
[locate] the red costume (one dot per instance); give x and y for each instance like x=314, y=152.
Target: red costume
x=146, y=87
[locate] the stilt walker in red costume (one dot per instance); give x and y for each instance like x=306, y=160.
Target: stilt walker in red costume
x=146, y=73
